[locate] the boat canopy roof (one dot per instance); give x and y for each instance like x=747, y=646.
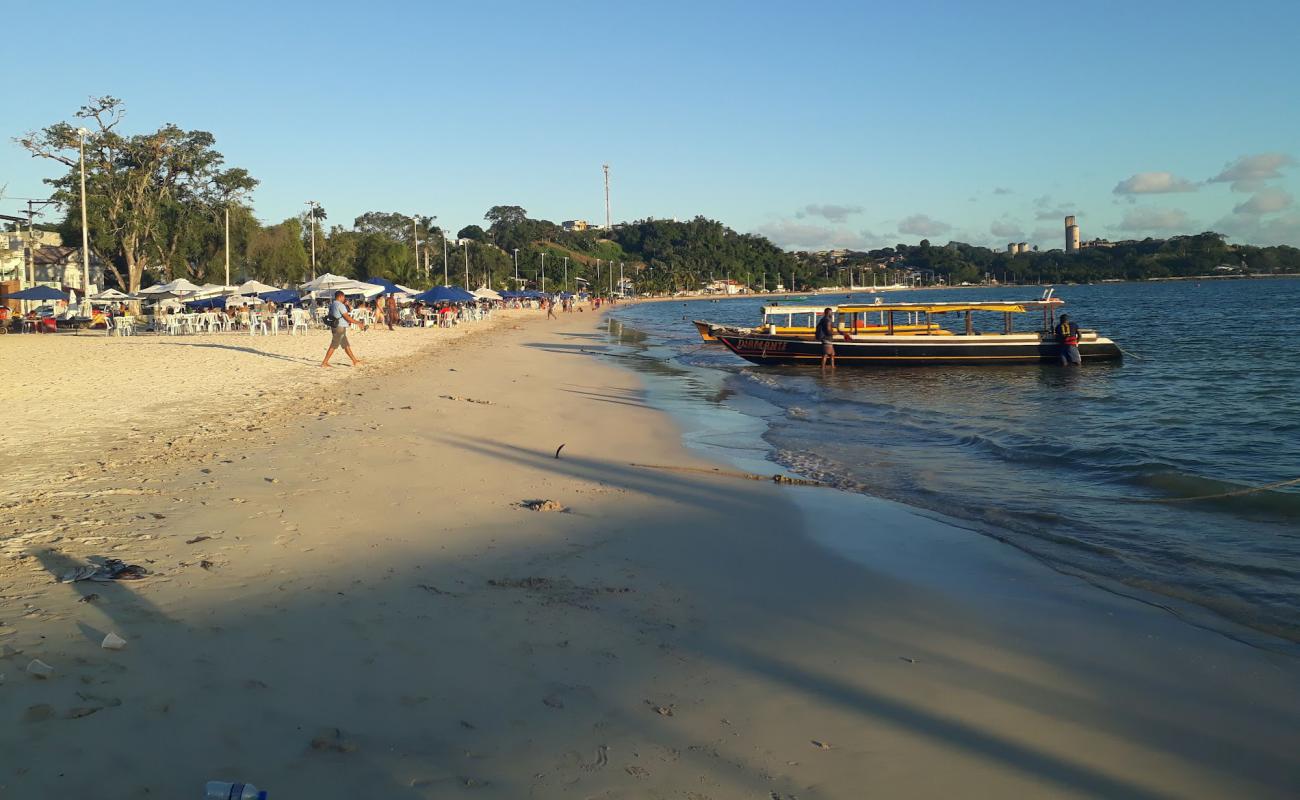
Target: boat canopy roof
x=778, y=309
x=1012, y=307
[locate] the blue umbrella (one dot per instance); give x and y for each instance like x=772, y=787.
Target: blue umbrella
x=210, y=302
x=389, y=286
x=445, y=294
x=37, y=293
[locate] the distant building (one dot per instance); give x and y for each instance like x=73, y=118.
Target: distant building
x=575, y=225
x=1098, y=243
x=1071, y=235
x=1014, y=248
x=727, y=286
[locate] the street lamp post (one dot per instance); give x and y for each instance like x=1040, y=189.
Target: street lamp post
x=415, y=229
x=543, y=272
x=566, y=275
x=467, y=265
x=82, y=133
x=516, y=267
x=444, y=258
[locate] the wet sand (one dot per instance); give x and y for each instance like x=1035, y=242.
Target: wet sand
x=347, y=600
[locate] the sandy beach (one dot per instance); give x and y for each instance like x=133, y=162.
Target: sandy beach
x=347, y=599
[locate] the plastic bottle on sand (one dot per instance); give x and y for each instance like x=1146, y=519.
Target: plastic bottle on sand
x=222, y=790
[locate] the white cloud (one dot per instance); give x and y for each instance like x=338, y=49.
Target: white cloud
x=1265, y=201
x=1007, y=230
x=831, y=212
x=794, y=235
x=1251, y=229
x=1154, y=183
x=923, y=225
x=1248, y=173
x=1154, y=219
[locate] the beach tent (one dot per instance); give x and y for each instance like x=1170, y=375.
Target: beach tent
x=37, y=293
x=488, y=294
x=281, y=296
x=207, y=302
x=110, y=296
x=445, y=294
x=257, y=287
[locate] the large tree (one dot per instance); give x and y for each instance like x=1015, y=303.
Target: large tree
x=149, y=194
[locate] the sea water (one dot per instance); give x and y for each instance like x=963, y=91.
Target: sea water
x=1086, y=469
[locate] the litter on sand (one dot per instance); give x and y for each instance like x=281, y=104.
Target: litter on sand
x=112, y=569
x=113, y=642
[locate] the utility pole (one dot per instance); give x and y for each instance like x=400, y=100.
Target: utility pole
x=566, y=275
x=82, y=133
x=620, y=279
x=516, y=268
x=444, y=258
x=415, y=229
x=311, y=218
x=467, y=241
x=608, y=226
x=543, y=272
x=227, y=245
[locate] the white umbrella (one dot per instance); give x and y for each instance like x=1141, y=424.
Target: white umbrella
x=406, y=290
x=327, y=281
x=177, y=286
x=256, y=287
x=241, y=300
x=349, y=286
x=110, y=295
x=486, y=294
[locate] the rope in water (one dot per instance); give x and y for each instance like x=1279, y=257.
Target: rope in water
x=1132, y=355
x=1235, y=493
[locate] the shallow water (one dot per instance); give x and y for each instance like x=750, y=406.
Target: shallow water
x=1082, y=468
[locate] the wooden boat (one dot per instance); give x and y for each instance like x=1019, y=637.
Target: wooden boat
x=802, y=321
x=886, y=343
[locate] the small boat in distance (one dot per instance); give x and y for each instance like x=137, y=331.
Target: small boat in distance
x=907, y=334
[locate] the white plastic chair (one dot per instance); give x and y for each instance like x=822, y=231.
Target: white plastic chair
x=299, y=321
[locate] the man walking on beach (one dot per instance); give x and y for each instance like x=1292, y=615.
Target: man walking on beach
x=826, y=335
x=338, y=319
x=1067, y=335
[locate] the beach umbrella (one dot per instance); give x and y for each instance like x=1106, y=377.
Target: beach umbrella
x=37, y=293
x=327, y=281
x=445, y=294
x=175, y=288
x=389, y=286
x=111, y=296
x=351, y=288
x=207, y=302
x=256, y=287
x=487, y=294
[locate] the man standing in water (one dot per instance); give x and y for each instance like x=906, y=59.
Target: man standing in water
x=338, y=318
x=1067, y=335
x=826, y=335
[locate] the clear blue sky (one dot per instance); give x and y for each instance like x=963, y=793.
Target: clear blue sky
x=818, y=124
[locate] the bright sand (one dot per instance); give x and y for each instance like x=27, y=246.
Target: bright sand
x=372, y=615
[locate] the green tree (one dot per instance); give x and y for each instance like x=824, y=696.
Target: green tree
x=149, y=195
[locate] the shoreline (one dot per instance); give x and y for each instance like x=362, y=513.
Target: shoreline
x=377, y=617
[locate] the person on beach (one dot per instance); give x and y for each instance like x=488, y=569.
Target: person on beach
x=1067, y=336
x=390, y=311
x=826, y=335
x=550, y=309
x=338, y=319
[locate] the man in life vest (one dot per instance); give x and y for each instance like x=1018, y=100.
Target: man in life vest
x=1067, y=335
